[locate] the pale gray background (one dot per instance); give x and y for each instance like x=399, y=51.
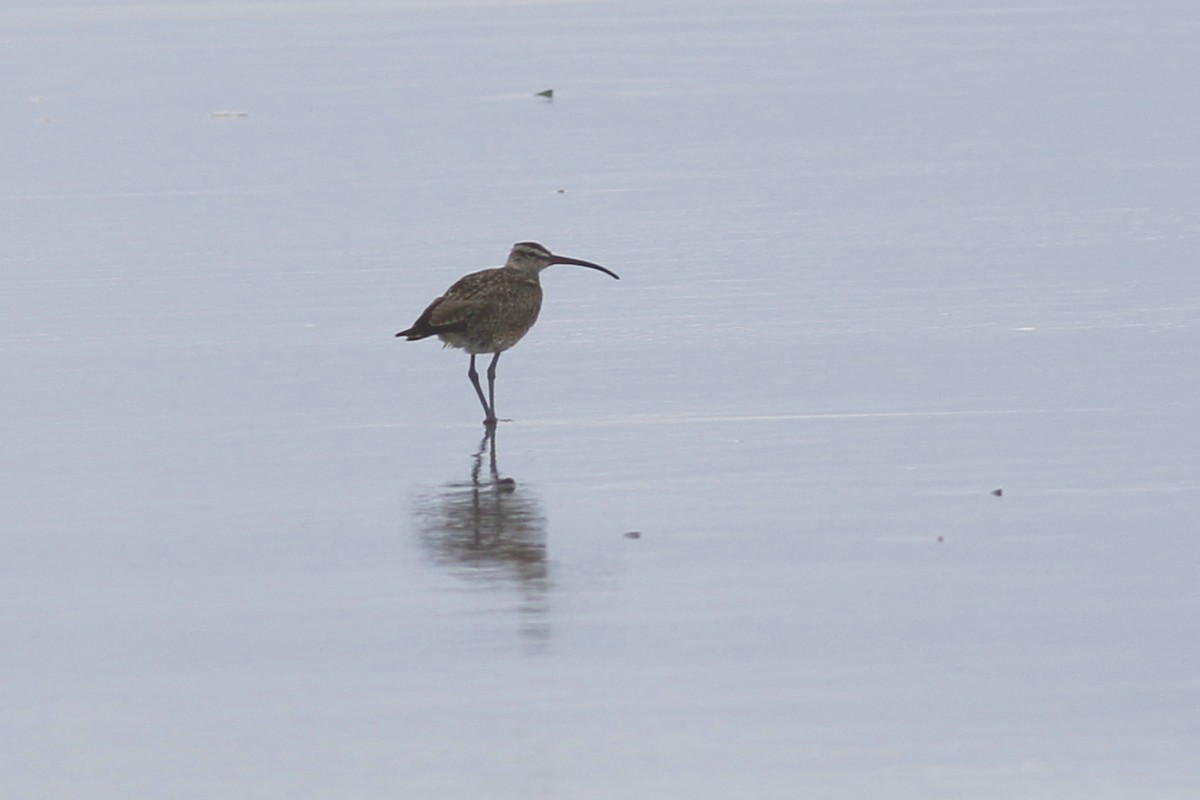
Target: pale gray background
x=878, y=259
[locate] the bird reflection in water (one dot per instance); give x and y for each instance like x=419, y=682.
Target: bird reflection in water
x=491, y=532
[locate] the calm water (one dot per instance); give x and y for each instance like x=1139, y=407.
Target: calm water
x=740, y=536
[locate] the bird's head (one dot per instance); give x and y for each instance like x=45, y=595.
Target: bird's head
x=532, y=257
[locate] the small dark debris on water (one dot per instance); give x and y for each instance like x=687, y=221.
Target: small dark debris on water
x=997, y=493
x=633, y=534
x=562, y=191
x=941, y=539
x=546, y=93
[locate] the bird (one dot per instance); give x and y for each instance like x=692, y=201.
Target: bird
x=491, y=310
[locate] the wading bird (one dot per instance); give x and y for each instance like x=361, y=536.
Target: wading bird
x=489, y=311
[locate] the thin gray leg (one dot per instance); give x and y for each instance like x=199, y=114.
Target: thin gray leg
x=489, y=417
x=491, y=373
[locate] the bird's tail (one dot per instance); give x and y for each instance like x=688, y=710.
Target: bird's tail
x=412, y=334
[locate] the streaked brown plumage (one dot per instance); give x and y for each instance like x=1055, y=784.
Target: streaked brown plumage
x=489, y=311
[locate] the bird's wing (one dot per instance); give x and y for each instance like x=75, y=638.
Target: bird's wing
x=442, y=316
x=476, y=285
x=463, y=301
x=449, y=314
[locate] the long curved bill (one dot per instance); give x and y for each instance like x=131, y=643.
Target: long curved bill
x=580, y=263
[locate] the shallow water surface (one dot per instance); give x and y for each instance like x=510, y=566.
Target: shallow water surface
x=874, y=476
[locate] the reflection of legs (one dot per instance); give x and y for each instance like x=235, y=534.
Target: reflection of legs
x=477, y=462
x=491, y=373
x=491, y=441
x=488, y=443
x=489, y=417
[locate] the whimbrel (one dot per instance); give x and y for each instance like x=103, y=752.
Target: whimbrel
x=489, y=311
